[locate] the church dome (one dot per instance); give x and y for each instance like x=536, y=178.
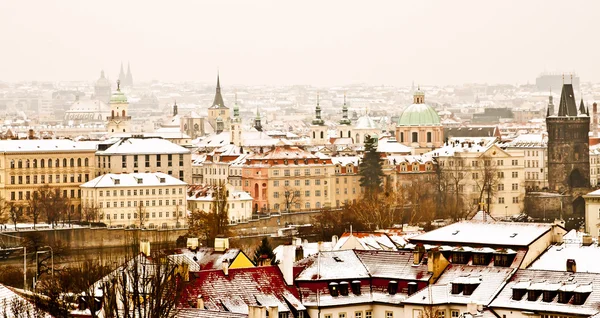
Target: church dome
x=102, y=81
x=419, y=113
x=118, y=98
x=365, y=122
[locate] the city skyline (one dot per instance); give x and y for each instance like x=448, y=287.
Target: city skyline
x=270, y=43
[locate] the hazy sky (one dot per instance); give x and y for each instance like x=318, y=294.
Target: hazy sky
x=300, y=42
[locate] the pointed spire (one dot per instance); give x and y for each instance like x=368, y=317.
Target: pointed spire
x=581, y=107
x=318, y=120
x=218, y=102
x=568, y=105
x=175, y=109
x=102, y=74
x=236, y=109
x=257, y=123
x=119, y=85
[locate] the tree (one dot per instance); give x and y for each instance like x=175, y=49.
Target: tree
x=4, y=210
x=486, y=181
x=264, y=253
x=34, y=206
x=15, y=213
x=450, y=183
x=53, y=203
x=91, y=212
x=141, y=214
x=220, y=209
x=371, y=168
x=291, y=198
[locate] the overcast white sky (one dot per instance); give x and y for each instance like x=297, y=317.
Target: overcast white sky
x=300, y=42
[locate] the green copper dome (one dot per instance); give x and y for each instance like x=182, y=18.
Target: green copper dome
x=419, y=115
x=118, y=98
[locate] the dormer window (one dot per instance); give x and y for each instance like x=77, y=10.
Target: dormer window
x=162, y=180
x=117, y=181
x=139, y=180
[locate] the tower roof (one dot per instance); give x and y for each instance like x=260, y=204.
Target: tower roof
x=567, y=106
x=218, y=102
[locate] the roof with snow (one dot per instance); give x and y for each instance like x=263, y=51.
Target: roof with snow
x=46, y=145
x=134, y=145
x=114, y=180
x=365, y=241
x=537, y=281
x=242, y=287
x=586, y=256
x=489, y=281
x=485, y=233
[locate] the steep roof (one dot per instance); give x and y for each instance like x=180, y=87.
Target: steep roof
x=218, y=102
x=128, y=146
x=567, y=105
x=115, y=180
x=241, y=287
x=392, y=265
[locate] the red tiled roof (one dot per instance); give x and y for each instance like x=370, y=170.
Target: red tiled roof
x=240, y=288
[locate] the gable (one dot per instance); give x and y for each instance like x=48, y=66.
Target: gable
x=241, y=261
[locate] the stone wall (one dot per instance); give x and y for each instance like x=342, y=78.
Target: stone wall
x=83, y=238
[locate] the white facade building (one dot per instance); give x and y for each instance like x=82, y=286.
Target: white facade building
x=145, y=200
x=200, y=198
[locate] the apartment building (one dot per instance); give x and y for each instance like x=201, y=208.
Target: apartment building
x=345, y=180
x=239, y=203
x=26, y=165
x=476, y=163
x=144, y=155
x=534, y=148
x=145, y=200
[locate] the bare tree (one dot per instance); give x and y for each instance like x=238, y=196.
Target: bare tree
x=4, y=210
x=15, y=213
x=34, y=207
x=53, y=203
x=292, y=197
x=486, y=179
x=91, y=212
x=141, y=214
x=451, y=175
x=220, y=209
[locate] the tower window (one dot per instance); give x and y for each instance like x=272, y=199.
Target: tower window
x=415, y=137
x=429, y=136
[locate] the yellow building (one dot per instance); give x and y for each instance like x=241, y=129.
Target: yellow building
x=26, y=165
x=146, y=200
x=144, y=155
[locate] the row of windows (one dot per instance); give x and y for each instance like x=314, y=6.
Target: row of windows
x=415, y=136
x=276, y=194
x=121, y=204
x=42, y=179
x=167, y=214
x=475, y=163
x=42, y=163
x=26, y=195
x=532, y=163
x=297, y=183
x=158, y=161
x=514, y=200
x=229, y=205
x=415, y=167
x=297, y=206
x=307, y=172
x=141, y=192
x=337, y=191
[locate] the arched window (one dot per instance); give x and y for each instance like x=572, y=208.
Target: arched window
x=65, y=162
x=415, y=136
x=349, y=134
x=314, y=135
x=79, y=162
x=72, y=161
x=429, y=136
x=318, y=205
x=307, y=205
x=256, y=193
x=86, y=162
x=357, y=140
x=123, y=113
x=20, y=165
x=12, y=164
x=42, y=163
x=27, y=163
x=35, y=163
x=322, y=136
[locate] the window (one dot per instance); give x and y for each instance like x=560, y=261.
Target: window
x=306, y=182
x=297, y=183
x=515, y=174
x=368, y=314
x=358, y=314
x=307, y=193
x=501, y=200
x=500, y=186
x=276, y=195
x=515, y=200
x=500, y=162
x=500, y=174
x=342, y=315
x=428, y=136
x=389, y=314
x=440, y=313
x=515, y=186
x=415, y=136
x=475, y=175
x=515, y=162
x=454, y=313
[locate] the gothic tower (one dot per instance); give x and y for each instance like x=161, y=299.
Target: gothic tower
x=550, y=105
x=119, y=120
x=257, y=123
x=122, y=76
x=219, y=110
x=568, y=144
x=318, y=130
x=128, y=77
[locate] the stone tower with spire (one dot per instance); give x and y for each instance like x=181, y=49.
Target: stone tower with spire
x=345, y=128
x=257, y=122
x=568, y=144
x=236, y=125
x=128, y=77
x=218, y=112
x=318, y=130
x=119, y=120
x=550, y=105
x=122, y=76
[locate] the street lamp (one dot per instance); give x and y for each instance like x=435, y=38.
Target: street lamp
x=506, y=212
x=287, y=201
x=37, y=262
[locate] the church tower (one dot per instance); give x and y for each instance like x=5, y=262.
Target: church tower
x=236, y=125
x=219, y=110
x=344, y=128
x=318, y=130
x=122, y=76
x=102, y=89
x=568, y=144
x=128, y=77
x=257, y=123
x=119, y=120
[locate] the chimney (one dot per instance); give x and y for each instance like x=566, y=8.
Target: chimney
x=418, y=253
x=587, y=240
x=299, y=253
x=571, y=266
x=145, y=248
x=334, y=240
x=436, y=264
x=31, y=134
x=192, y=243
x=200, y=304
x=221, y=244
x=272, y=311
x=225, y=265
x=256, y=311
x=320, y=246
x=286, y=264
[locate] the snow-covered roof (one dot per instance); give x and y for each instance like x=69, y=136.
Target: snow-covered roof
x=46, y=145
x=555, y=258
x=365, y=241
x=334, y=265
x=587, y=283
x=485, y=233
x=114, y=180
x=345, y=160
x=390, y=145
x=127, y=146
x=489, y=281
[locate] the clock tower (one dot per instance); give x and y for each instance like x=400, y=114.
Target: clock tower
x=119, y=120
